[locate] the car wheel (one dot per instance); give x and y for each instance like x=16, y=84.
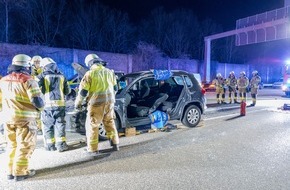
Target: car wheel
x=191, y=116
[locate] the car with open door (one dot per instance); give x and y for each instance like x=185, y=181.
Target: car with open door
x=175, y=92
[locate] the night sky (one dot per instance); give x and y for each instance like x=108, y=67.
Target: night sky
x=224, y=12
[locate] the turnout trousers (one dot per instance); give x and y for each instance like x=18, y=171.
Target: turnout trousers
x=104, y=113
x=21, y=139
x=54, y=125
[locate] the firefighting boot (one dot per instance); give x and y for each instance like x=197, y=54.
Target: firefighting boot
x=62, y=147
x=23, y=177
x=115, y=146
x=50, y=147
x=10, y=177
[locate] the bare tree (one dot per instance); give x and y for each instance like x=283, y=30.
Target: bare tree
x=117, y=32
x=181, y=32
x=8, y=6
x=175, y=33
x=86, y=25
x=147, y=55
x=207, y=27
x=43, y=20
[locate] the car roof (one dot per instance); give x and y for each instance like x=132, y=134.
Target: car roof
x=150, y=72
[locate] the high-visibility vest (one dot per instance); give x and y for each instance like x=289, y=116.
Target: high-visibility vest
x=99, y=81
x=53, y=89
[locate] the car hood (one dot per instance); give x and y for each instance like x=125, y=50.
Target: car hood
x=80, y=69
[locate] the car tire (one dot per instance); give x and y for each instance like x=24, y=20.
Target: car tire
x=192, y=116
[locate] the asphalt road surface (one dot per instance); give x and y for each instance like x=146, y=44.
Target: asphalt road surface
x=226, y=151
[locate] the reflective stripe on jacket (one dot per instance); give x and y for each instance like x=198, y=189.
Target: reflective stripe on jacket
x=17, y=91
x=99, y=82
x=54, y=87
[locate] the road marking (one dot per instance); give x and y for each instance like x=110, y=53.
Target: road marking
x=233, y=114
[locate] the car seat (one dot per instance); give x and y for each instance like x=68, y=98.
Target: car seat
x=144, y=90
x=152, y=105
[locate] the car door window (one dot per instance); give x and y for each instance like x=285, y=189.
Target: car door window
x=188, y=82
x=178, y=80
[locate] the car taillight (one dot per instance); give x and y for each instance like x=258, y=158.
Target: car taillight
x=203, y=91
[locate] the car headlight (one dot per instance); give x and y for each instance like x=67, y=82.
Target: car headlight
x=284, y=87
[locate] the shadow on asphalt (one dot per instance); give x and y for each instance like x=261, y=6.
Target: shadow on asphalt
x=236, y=117
x=106, y=155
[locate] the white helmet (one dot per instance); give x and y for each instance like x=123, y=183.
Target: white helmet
x=255, y=72
x=36, y=58
x=243, y=73
x=93, y=58
x=232, y=73
x=21, y=60
x=45, y=61
x=219, y=75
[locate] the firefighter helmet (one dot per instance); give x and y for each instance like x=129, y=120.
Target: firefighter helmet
x=46, y=61
x=243, y=73
x=36, y=58
x=21, y=60
x=219, y=75
x=255, y=72
x=92, y=59
x=232, y=73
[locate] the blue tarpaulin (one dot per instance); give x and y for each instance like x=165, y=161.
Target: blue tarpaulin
x=162, y=74
x=158, y=119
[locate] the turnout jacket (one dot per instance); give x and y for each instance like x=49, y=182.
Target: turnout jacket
x=54, y=86
x=20, y=95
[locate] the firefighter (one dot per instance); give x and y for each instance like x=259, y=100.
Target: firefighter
x=219, y=83
x=232, y=84
x=21, y=103
x=36, y=68
x=254, y=84
x=35, y=72
x=54, y=86
x=243, y=83
x=97, y=90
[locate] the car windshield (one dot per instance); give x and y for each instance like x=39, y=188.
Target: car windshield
x=124, y=82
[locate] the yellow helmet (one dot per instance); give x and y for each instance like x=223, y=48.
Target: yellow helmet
x=46, y=61
x=93, y=58
x=36, y=58
x=21, y=60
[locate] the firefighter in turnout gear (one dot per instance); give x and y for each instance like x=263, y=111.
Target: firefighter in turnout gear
x=21, y=103
x=243, y=83
x=97, y=90
x=54, y=86
x=219, y=83
x=232, y=84
x=254, y=84
x=36, y=68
